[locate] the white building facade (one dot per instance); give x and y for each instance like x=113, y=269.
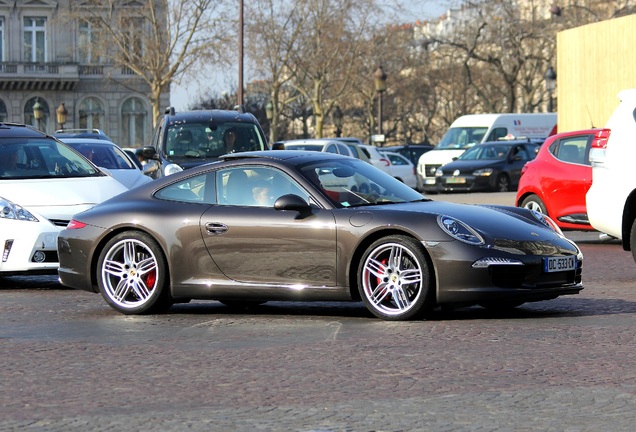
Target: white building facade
x=46, y=61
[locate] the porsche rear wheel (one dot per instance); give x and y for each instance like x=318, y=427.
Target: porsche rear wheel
x=133, y=274
x=394, y=279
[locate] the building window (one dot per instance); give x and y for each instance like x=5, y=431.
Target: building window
x=91, y=114
x=87, y=44
x=134, y=116
x=34, y=39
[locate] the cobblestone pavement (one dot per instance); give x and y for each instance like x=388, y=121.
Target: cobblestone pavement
x=70, y=363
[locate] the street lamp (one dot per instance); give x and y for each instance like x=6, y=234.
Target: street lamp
x=61, y=112
x=550, y=84
x=337, y=120
x=38, y=112
x=379, y=78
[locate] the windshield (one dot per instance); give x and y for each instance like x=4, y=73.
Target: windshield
x=28, y=158
x=485, y=152
x=104, y=155
x=352, y=183
x=200, y=140
x=462, y=137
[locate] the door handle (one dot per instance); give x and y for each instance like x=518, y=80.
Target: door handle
x=216, y=228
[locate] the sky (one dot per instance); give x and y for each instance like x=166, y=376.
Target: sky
x=183, y=95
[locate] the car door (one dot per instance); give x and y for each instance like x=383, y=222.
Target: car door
x=252, y=242
x=518, y=157
x=568, y=176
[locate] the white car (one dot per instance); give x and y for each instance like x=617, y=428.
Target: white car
x=43, y=183
x=401, y=168
x=113, y=159
x=611, y=200
x=376, y=158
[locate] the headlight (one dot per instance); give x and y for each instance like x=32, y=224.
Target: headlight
x=485, y=172
x=545, y=220
x=459, y=230
x=10, y=210
x=172, y=169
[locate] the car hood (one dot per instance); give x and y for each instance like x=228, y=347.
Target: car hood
x=128, y=177
x=498, y=224
x=60, y=198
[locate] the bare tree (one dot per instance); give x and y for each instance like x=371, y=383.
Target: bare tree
x=159, y=42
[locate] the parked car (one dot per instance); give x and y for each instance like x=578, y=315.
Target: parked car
x=411, y=151
x=354, y=146
x=401, y=168
x=491, y=166
x=112, y=158
x=81, y=133
x=203, y=234
x=556, y=181
x=183, y=140
x=376, y=158
x=329, y=145
x=611, y=200
x=43, y=183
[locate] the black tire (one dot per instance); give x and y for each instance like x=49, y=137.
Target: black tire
x=533, y=202
x=133, y=274
x=394, y=279
x=502, y=183
x=632, y=240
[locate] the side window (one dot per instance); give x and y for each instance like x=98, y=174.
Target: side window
x=331, y=148
x=255, y=186
x=198, y=189
x=497, y=133
x=156, y=137
x=344, y=150
x=573, y=150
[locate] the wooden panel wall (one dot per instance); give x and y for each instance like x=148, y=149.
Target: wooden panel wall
x=594, y=62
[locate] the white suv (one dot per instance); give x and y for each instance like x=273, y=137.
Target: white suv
x=611, y=201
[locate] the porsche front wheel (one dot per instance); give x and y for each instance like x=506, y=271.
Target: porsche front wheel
x=132, y=274
x=394, y=279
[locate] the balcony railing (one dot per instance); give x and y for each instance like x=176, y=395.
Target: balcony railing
x=38, y=76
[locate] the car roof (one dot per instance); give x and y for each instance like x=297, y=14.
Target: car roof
x=284, y=155
x=18, y=130
x=321, y=141
x=95, y=141
x=536, y=141
x=197, y=116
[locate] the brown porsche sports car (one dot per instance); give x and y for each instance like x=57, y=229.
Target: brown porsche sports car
x=307, y=226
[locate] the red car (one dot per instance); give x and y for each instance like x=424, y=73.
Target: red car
x=556, y=181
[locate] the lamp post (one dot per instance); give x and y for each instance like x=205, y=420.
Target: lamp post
x=337, y=120
x=269, y=113
x=38, y=113
x=550, y=84
x=61, y=113
x=379, y=78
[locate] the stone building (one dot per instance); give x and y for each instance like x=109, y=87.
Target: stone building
x=47, y=62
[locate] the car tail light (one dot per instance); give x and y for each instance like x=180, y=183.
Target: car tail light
x=385, y=161
x=599, y=146
x=75, y=224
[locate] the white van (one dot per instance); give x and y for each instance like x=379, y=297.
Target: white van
x=468, y=130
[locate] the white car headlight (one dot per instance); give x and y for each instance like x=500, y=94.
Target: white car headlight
x=172, y=169
x=459, y=230
x=10, y=210
x=485, y=172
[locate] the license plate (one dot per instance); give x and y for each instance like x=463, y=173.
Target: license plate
x=558, y=264
x=455, y=180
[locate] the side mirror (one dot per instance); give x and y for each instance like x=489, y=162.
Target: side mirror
x=149, y=152
x=294, y=203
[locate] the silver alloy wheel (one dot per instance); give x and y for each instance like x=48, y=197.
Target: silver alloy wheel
x=129, y=273
x=392, y=279
x=533, y=205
